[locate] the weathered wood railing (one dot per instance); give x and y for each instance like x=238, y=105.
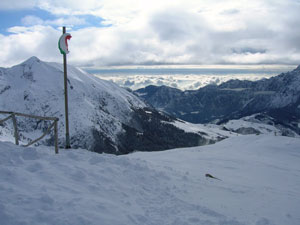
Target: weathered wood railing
x=12, y=115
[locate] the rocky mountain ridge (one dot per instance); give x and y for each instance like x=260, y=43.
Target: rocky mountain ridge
x=277, y=97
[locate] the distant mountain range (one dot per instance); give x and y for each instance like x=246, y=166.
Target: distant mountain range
x=274, y=101
x=103, y=116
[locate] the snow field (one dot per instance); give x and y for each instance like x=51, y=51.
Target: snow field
x=260, y=178
x=260, y=185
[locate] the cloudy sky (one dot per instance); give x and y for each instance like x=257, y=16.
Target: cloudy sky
x=156, y=32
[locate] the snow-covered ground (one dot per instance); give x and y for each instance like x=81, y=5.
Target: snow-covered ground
x=260, y=185
x=263, y=128
x=212, y=131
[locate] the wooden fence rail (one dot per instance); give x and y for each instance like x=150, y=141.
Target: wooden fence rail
x=12, y=115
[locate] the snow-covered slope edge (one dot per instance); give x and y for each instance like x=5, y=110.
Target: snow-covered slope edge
x=103, y=117
x=260, y=185
x=259, y=124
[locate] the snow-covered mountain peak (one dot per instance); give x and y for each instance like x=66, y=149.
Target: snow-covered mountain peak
x=37, y=87
x=34, y=74
x=297, y=69
x=103, y=116
x=31, y=60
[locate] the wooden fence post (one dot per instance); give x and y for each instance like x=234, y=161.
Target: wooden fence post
x=15, y=128
x=55, y=137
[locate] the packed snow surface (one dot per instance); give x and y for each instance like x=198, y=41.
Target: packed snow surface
x=259, y=185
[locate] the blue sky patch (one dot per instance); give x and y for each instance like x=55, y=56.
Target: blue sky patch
x=93, y=21
x=11, y=18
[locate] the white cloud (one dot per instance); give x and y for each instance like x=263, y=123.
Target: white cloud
x=17, y=4
x=165, y=32
x=31, y=20
x=70, y=21
x=40, y=41
x=180, y=81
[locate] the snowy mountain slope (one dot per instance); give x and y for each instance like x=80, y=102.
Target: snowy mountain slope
x=36, y=87
x=103, y=117
x=260, y=185
x=254, y=124
x=259, y=124
x=212, y=131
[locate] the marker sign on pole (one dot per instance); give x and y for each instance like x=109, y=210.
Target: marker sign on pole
x=63, y=44
x=63, y=47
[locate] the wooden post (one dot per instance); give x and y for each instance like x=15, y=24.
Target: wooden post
x=15, y=128
x=55, y=137
x=66, y=99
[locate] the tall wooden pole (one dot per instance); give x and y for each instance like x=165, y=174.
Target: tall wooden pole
x=66, y=98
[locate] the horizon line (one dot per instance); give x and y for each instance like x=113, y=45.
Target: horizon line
x=194, y=66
